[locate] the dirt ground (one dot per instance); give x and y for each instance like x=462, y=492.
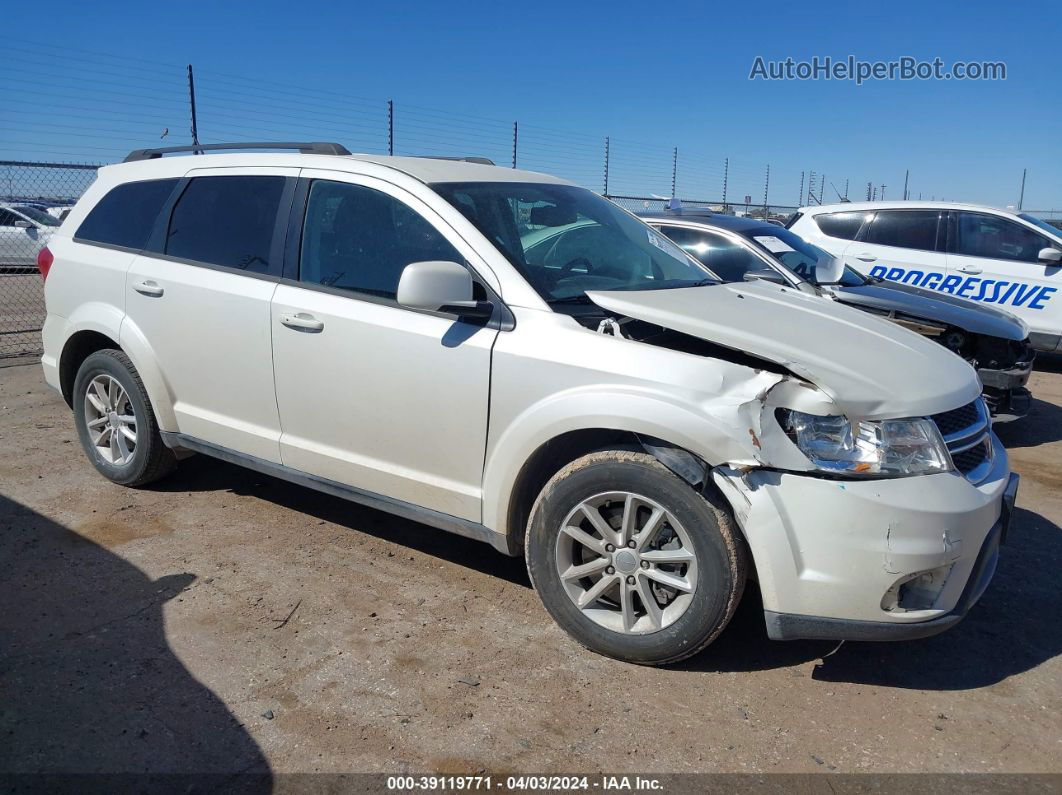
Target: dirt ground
x=224, y=621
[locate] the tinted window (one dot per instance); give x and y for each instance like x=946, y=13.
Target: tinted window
x=996, y=238
x=905, y=229
x=727, y=259
x=360, y=239
x=842, y=225
x=124, y=216
x=39, y=217
x=8, y=218
x=226, y=221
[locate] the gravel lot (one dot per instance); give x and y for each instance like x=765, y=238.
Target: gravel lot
x=225, y=621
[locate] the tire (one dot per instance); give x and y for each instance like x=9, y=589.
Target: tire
x=695, y=529
x=126, y=462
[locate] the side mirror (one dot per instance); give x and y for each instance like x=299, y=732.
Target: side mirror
x=437, y=286
x=1050, y=256
x=22, y=223
x=764, y=275
x=829, y=270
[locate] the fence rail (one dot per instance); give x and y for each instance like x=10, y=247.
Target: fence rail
x=34, y=196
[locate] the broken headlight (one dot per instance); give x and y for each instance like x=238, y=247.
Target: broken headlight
x=886, y=448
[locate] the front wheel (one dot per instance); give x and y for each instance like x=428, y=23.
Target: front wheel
x=631, y=561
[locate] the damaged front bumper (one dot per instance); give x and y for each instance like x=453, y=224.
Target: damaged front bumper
x=1004, y=388
x=886, y=559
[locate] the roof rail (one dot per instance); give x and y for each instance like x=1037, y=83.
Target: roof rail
x=483, y=161
x=306, y=148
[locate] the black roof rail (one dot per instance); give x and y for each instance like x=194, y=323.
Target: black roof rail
x=306, y=148
x=483, y=161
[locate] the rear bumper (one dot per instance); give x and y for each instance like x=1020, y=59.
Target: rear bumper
x=787, y=626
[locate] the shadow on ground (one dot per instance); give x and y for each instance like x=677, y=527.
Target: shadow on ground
x=1013, y=629
x=88, y=683
x=1042, y=425
x=202, y=473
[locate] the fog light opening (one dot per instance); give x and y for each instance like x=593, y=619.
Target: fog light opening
x=918, y=591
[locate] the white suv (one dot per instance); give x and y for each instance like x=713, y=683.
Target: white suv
x=506, y=356
x=1011, y=260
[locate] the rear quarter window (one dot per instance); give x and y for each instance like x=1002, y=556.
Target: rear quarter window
x=842, y=225
x=124, y=217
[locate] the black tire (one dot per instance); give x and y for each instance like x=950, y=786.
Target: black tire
x=720, y=554
x=151, y=459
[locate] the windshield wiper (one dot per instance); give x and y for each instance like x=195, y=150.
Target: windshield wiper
x=570, y=299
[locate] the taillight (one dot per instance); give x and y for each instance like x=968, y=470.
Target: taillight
x=44, y=262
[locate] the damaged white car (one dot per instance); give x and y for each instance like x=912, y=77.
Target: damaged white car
x=513, y=358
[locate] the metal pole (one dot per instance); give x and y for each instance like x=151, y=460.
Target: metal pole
x=906, y=174
x=811, y=187
x=726, y=176
x=822, y=184
x=191, y=102
x=674, y=171
x=606, y=166
x=516, y=137
x=1021, y=198
x=800, y=199
x=883, y=191
x=868, y=191
x=390, y=126
x=766, y=187
x=846, y=190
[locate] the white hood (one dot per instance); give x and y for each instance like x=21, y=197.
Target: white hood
x=870, y=368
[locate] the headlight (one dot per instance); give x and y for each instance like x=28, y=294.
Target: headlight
x=889, y=448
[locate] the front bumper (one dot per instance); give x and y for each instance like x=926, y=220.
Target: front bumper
x=1005, y=391
x=786, y=626
x=834, y=557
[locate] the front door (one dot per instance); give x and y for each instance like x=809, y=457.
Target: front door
x=371, y=394
x=996, y=260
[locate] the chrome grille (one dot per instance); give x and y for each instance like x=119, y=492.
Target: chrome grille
x=967, y=433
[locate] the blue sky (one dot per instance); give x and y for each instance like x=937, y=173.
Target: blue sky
x=93, y=82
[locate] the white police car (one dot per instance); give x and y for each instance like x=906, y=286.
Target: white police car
x=1011, y=260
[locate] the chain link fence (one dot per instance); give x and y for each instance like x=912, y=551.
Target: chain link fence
x=34, y=198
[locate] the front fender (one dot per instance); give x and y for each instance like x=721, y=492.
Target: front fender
x=717, y=436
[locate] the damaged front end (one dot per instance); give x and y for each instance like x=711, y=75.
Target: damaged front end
x=861, y=467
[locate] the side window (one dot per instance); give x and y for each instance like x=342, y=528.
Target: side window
x=905, y=229
x=842, y=225
x=359, y=239
x=226, y=221
x=7, y=218
x=993, y=237
x=726, y=259
x=125, y=216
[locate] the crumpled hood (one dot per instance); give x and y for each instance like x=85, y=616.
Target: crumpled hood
x=871, y=368
x=936, y=307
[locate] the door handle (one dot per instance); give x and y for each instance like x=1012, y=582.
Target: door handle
x=149, y=288
x=865, y=257
x=301, y=322
x=968, y=269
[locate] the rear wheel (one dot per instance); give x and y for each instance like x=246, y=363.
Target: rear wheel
x=631, y=561
x=115, y=423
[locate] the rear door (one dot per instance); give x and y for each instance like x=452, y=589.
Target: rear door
x=903, y=246
x=373, y=395
x=996, y=260
x=199, y=296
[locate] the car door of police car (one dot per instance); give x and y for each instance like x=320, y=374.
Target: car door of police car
x=902, y=246
x=996, y=260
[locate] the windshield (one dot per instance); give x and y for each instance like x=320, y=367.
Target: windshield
x=35, y=215
x=566, y=240
x=797, y=254
x=1032, y=219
